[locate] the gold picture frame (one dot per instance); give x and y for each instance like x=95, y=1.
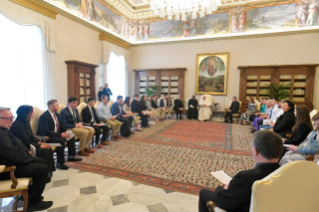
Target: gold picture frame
x=211, y=74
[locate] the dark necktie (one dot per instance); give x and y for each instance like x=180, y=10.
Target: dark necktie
x=57, y=123
x=74, y=117
x=93, y=114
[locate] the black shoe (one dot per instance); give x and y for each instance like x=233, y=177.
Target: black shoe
x=225, y=121
x=231, y=122
x=21, y=198
x=62, y=166
x=41, y=206
x=49, y=179
x=73, y=158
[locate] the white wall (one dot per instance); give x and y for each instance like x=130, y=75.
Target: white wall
x=275, y=50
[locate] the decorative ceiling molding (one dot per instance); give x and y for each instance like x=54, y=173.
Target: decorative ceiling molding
x=38, y=7
x=115, y=40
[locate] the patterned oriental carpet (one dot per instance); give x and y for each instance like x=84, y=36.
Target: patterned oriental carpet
x=175, y=155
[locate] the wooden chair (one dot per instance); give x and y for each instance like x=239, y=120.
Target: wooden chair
x=61, y=107
x=14, y=187
x=293, y=187
x=97, y=104
x=258, y=105
x=237, y=115
x=312, y=113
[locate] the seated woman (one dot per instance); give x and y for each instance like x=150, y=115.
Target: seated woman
x=251, y=110
x=302, y=127
x=145, y=109
x=127, y=109
x=156, y=113
x=261, y=116
x=286, y=121
x=310, y=146
x=21, y=128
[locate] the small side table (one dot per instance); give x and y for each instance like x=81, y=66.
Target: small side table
x=215, y=105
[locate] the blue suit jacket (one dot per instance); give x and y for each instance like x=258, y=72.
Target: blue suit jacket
x=116, y=110
x=67, y=118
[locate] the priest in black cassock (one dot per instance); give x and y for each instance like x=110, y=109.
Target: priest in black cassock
x=192, y=108
x=179, y=107
x=13, y=152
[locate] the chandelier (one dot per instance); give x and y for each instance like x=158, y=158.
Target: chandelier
x=183, y=8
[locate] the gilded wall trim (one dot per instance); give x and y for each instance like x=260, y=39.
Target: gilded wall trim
x=37, y=7
x=115, y=40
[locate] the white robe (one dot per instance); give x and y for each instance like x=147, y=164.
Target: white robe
x=204, y=112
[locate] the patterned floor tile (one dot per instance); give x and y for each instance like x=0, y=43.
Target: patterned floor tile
x=120, y=199
x=59, y=209
x=88, y=190
x=59, y=183
x=157, y=208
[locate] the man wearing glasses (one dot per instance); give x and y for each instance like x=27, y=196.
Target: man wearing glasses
x=13, y=152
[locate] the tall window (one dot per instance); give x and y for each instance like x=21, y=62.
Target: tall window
x=23, y=65
x=116, y=75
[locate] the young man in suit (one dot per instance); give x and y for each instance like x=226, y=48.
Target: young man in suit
x=166, y=110
x=234, y=108
x=105, y=115
x=90, y=116
x=137, y=108
x=179, y=107
x=266, y=150
x=71, y=119
x=117, y=109
x=13, y=152
x=155, y=106
x=50, y=125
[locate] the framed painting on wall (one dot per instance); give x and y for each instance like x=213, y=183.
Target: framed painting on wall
x=211, y=74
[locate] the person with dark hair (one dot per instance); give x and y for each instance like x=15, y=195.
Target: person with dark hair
x=245, y=117
x=179, y=107
x=105, y=115
x=107, y=91
x=90, y=117
x=100, y=93
x=13, y=152
x=50, y=125
x=164, y=105
x=144, y=109
x=126, y=119
x=286, y=121
x=192, y=112
x=302, y=127
x=310, y=146
x=155, y=111
x=71, y=119
x=156, y=107
x=234, y=108
x=274, y=115
x=266, y=151
x=136, y=107
x=21, y=129
x=127, y=109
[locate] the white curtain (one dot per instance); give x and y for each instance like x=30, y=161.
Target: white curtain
x=26, y=65
x=116, y=76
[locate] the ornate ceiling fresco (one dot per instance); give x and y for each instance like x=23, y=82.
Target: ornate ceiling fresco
x=134, y=22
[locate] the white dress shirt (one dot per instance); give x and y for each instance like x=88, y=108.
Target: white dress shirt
x=55, y=128
x=90, y=108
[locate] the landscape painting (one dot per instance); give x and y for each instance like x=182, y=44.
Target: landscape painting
x=213, y=24
x=271, y=18
x=211, y=74
x=166, y=29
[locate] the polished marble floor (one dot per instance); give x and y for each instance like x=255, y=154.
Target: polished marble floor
x=80, y=191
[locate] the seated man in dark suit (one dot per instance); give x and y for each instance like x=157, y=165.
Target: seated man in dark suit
x=164, y=105
x=13, y=152
x=235, y=197
x=234, y=108
x=179, y=107
x=90, y=116
x=71, y=119
x=50, y=125
x=136, y=107
x=117, y=109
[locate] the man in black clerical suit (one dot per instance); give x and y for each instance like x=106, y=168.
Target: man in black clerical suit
x=117, y=109
x=192, y=112
x=13, y=152
x=50, y=125
x=234, y=108
x=90, y=116
x=137, y=108
x=179, y=107
x=235, y=197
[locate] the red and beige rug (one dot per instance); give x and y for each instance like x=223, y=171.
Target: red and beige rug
x=175, y=155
